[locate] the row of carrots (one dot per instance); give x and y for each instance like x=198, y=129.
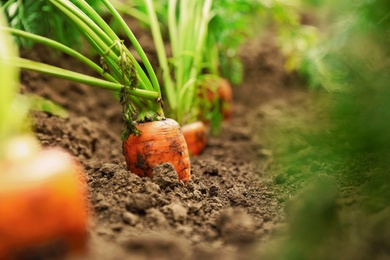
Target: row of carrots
x=43, y=194
x=43, y=191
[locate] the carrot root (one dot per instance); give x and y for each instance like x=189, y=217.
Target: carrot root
x=159, y=142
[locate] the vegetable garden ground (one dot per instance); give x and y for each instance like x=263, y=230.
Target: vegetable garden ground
x=234, y=203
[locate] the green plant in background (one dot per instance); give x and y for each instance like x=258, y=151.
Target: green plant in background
x=140, y=90
x=32, y=16
x=298, y=42
x=233, y=23
x=335, y=166
x=200, y=56
x=187, y=24
x=138, y=10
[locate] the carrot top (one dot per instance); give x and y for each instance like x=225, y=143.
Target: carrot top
x=138, y=88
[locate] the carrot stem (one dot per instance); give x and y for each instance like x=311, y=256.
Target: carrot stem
x=79, y=77
x=161, y=54
x=61, y=47
x=136, y=45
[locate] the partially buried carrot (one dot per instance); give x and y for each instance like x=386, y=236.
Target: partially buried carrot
x=160, y=141
x=218, y=93
x=226, y=98
x=42, y=204
x=195, y=135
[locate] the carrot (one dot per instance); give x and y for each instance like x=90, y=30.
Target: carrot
x=218, y=92
x=42, y=203
x=160, y=141
x=225, y=96
x=195, y=135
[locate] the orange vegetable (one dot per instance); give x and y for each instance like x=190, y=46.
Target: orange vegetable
x=42, y=204
x=225, y=95
x=195, y=135
x=219, y=92
x=160, y=141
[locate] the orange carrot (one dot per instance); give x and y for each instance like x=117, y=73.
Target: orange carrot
x=160, y=141
x=42, y=202
x=226, y=97
x=195, y=135
x=218, y=91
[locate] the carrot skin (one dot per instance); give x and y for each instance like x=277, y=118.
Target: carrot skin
x=159, y=142
x=195, y=135
x=42, y=202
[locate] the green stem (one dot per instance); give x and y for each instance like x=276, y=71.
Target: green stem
x=60, y=47
x=126, y=9
x=94, y=35
x=149, y=109
x=87, y=22
x=82, y=23
x=105, y=32
x=79, y=77
x=196, y=67
x=136, y=45
x=95, y=17
x=162, y=56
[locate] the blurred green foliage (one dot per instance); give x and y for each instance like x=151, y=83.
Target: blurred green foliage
x=42, y=18
x=233, y=23
x=332, y=156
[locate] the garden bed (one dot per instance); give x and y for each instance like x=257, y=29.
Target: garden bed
x=279, y=145
x=227, y=208
x=297, y=173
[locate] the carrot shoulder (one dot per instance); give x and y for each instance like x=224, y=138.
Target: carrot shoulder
x=160, y=141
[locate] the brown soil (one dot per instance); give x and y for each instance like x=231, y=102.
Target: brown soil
x=229, y=207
